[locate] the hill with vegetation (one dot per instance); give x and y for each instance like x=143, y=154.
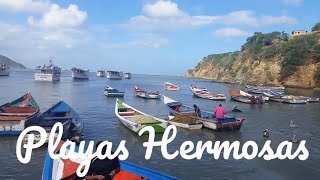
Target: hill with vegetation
x=12, y=64
x=271, y=58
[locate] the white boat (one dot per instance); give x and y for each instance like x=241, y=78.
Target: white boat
x=101, y=73
x=290, y=99
x=47, y=73
x=243, y=93
x=207, y=95
x=114, y=75
x=171, y=87
x=194, y=88
x=136, y=120
x=127, y=75
x=111, y=92
x=190, y=125
x=80, y=73
x=4, y=70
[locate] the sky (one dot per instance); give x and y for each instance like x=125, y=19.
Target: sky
x=140, y=36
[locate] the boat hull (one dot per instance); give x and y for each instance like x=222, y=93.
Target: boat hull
x=46, y=77
x=148, y=96
x=77, y=75
x=108, y=94
x=5, y=72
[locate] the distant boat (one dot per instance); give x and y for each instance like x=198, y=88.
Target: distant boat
x=114, y=75
x=229, y=123
x=4, y=70
x=145, y=94
x=245, y=99
x=195, y=88
x=243, y=93
x=135, y=120
x=127, y=75
x=184, y=122
x=80, y=73
x=55, y=169
x=111, y=92
x=63, y=113
x=101, y=73
x=207, y=95
x=171, y=87
x=16, y=114
x=47, y=73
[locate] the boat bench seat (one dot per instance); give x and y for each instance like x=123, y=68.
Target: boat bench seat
x=128, y=113
x=58, y=118
x=17, y=109
x=11, y=118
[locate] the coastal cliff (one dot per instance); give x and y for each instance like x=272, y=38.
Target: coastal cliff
x=273, y=58
x=12, y=64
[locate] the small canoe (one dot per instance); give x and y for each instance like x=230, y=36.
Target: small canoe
x=111, y=92
x=207, y=95
x=171, y=87
x=14, y=116
x=56, y=169
x=184, y=122
x=209, y=120
x=63, y=113
x=136, y=120
x=195, y=88
x=139, y=92
x=245, y=99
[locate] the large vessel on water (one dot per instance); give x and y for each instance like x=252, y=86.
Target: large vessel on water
x=101, y=73
x=47, y=73
x=127, y=75
x=4, y=70
x=78, y=73
x=114, y=75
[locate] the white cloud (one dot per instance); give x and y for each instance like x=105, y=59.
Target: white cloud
x=57, y=17
x=166, y=16
x=162, y=9
x=24, y=5
x=293, y=2
x=230, y=33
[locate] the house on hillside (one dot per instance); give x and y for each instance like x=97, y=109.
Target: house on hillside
x=299, y=32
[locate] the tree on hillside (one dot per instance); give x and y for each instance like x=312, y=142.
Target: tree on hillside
x=316, y=27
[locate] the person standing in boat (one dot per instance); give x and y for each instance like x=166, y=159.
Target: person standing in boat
x=220, y=112
x=197, y=111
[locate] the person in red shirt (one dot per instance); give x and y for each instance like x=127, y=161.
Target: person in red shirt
x=220, y=112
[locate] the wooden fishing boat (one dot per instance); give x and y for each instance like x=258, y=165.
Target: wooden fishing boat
x=243, y=93
x=56, y=169
x=273, y=96
x=63, y=113
x=171, y=87
x=290, y=99
x=264, y=87
x=111, y=92
x=187, y=123
x=195, y=88
x=209, y=120
x=15, y=115
x=136, y=120
x=145, y=94
x=207, y=95
x=245, y=99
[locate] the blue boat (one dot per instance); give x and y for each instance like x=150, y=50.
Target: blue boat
x=56, y=169
x=15, y=115
x=111, y=92
x=61, y=112
x=209, y=120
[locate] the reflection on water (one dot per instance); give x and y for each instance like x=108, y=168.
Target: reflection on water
x=97, y=111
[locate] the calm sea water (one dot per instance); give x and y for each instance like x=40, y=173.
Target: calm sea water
x=97, y=111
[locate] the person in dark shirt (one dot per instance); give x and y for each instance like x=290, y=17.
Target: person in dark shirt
x=197, y=111
x=103, y=169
